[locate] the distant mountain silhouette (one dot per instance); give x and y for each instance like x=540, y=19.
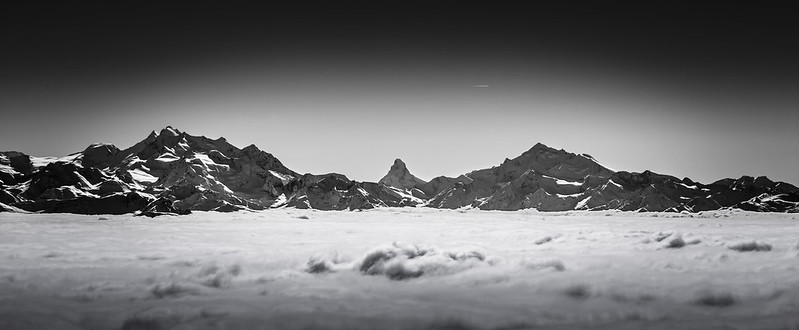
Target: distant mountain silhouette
x=172, y=172
x=399, y=176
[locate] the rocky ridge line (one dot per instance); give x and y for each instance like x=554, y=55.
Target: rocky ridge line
x=172, y=172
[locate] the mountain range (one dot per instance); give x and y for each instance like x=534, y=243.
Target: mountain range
x=172, y=172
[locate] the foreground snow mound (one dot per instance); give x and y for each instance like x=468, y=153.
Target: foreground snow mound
x=748, y=246
x=404, y=261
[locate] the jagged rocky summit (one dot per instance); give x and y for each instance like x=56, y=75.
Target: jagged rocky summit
x=398, y=176
x=172, y=172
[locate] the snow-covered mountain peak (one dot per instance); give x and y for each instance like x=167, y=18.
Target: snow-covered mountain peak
x=173, y=171
x=170, y=131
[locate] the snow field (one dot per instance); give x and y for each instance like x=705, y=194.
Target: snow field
x=400, y=269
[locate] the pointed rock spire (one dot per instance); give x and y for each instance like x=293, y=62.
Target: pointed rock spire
x=399, y=176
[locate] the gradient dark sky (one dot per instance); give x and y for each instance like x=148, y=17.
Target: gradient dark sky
x=702, y=90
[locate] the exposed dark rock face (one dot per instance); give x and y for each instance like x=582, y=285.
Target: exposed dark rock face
x=162, y=206
x=100, y=155
x=112, y=204
x=336, y=192
x=542, y=178
x=171, y=172
x=187, y=172
x=398, y=176
x=439, y=183
x=547, y=179
x=14, y=167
